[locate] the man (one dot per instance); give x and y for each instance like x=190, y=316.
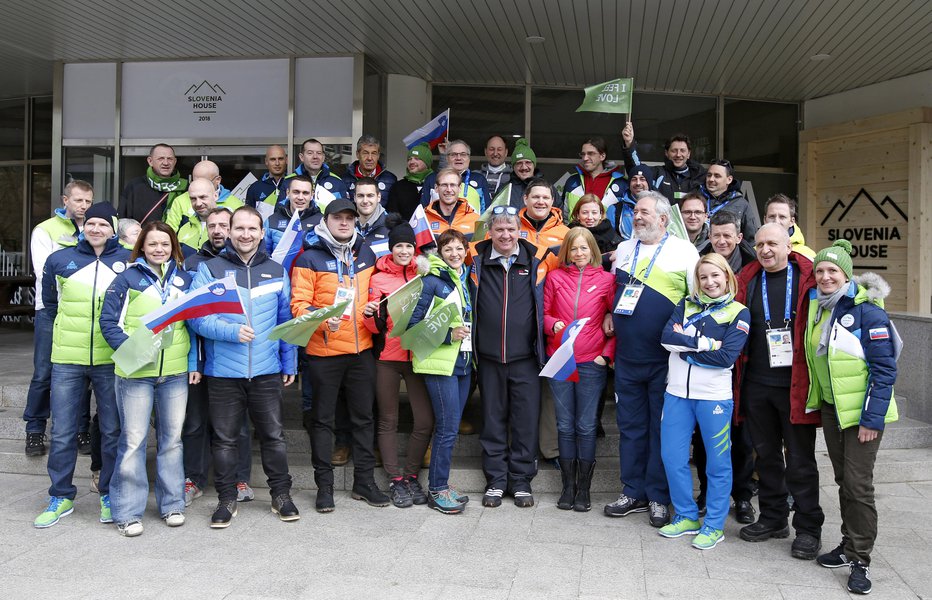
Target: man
x=60, y=231
x=654, y=271
x=181, y=210
x=192, y=233
x=725, y=238
x=772, y=384
x=679, y=175
x=450, y=211
x=695, y=219
x=473, y=187
x=781, y=209
x=299, y=198
x=147, y=197
x=327, y=186
x=525, y=171
x=337, y=267
x=73, y=284
x=245, y=370
x=541, y=223
x=195, y=435
x=495, y=170
x=370, y=220
x=273, y=183
x=405, y=195
x=621, y=213
x=722, y=191
x=508, y=342
x=128, y=233
x=367, y=164
x=594, y=175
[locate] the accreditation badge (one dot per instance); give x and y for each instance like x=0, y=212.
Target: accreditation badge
x=780, y=347
x=466, y=342
x=629, y=298
x=342, y=295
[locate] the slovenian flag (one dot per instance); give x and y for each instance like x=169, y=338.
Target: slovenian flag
x=562, y=365
x=432, y=133
x=422, y=233
x=220, y=296
x=380, y=248
x=291, y=243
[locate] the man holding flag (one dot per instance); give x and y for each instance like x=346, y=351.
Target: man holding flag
x=244, y=368
x=292, y=222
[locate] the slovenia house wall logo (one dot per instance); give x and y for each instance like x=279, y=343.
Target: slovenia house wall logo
x=870, y=230
x=205, y=99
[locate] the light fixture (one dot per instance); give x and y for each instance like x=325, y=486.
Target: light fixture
x=821, y=56
x=535, y=39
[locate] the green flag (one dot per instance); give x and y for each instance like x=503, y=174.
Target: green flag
x=141, y=349
x=401, y=304
x=426, y=336
x=299, y=330
x=676, y=226
x=482, y=224
x=609, y=97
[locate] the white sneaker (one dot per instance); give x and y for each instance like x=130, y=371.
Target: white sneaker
x=131, y=529
x=175, y=519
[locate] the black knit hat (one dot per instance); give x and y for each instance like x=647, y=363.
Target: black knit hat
x=103, y=210
x=402, y=233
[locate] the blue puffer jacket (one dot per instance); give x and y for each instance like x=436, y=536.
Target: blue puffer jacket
x=277, y=223
x=265, y=291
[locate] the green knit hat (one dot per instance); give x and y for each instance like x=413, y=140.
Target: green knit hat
x=423, y=152
x=523, y=152
x=838, y=253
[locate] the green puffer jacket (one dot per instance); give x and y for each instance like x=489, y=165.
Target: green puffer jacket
x=439, y=282
x=135, y=293
x=862, y=351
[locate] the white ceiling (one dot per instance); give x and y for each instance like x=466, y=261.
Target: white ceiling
x=742, y=48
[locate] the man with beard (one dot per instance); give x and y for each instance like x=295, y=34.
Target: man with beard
x=621, y=213
x=653, y=271
x=405, y=195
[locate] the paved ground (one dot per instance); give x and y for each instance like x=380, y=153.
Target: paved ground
x=364, y=552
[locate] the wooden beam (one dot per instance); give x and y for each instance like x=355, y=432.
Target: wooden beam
x=919, y=252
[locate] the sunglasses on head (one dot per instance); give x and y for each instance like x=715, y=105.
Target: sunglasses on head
x=508, y=210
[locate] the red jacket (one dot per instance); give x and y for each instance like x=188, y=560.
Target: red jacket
x=799, y=382
x=569, y=295
x=388, y=277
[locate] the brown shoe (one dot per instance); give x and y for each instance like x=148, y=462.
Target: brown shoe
x=340, y=456
x=466, y=428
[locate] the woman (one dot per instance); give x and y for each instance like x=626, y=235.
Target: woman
x=448, y=369
x=851, y=351
x=705, y=335
x=394, y=364
x=590, y=213
x=581, y=288
x=154, y=276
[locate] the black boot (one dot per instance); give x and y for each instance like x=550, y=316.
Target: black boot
x=583, y=482
x=568, y=474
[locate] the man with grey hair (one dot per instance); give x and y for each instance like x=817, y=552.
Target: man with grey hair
x=368, y=164
x=474, y=186
x=653, y=271
x=509, y=274
x=128, y=231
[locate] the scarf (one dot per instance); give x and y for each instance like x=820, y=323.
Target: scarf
x=173, y=183
x=342, y=251
x=418, y=178
x=827, y=302
x=700, y=297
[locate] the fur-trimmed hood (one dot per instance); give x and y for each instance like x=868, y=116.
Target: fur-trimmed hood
x=872, y=287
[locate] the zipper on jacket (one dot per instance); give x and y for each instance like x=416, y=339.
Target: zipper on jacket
x=504, y=315
x=578, y=292
x=355, y=282
x=828, y=367
x=94, y=307
x=249, y=308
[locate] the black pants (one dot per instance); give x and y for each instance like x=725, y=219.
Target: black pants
x=356, y=374
x=229, y=400
x=510, y=413
x=767, y=410
x=742, y=462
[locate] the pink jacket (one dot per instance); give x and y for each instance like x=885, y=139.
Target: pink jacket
x=570, y=294
x=388, y=277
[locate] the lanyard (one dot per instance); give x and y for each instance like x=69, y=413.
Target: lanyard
x=714, y=308
x=789, y=296
x=711, y=210
x=650, y=265
x=464, y=290
x=164, y=289
x=466, y=183
x=352, y=271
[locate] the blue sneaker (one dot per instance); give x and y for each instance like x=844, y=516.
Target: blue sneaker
x=59, y=507
x=680, y=526
x=444, y=502
x=105, y=515
x=708, y=538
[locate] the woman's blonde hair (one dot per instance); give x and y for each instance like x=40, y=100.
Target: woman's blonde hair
x=716, y=260
x=595, y=258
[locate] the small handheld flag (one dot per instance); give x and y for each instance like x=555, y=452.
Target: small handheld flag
x=290, y=244
x=298, y=331
x=422, y=233
x=220, y=296
x=609, y=97
x=401, y=303
x=562, y=365
x=431, y=133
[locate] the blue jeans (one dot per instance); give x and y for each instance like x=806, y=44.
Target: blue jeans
x=680, y=416
x=448, y=395
x=135, y=400
x=576, y=404
x=70, y=383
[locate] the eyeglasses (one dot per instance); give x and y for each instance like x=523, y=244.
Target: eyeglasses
x=508, y=210
x=458, y=154
x=692, y=213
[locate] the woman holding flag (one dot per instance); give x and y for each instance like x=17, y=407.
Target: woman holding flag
x=154, y=276
x=705, y=335
x=447, y=370
x=579, y=289
x=392, y=271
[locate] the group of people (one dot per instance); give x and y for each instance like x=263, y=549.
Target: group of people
x=739, y=349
